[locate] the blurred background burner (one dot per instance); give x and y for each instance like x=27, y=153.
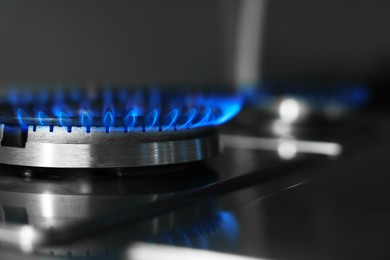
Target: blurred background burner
x=81, y=127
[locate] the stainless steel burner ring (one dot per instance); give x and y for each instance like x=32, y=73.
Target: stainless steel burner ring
x=74, y=147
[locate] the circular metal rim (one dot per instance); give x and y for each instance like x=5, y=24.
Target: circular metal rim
x=60, y=148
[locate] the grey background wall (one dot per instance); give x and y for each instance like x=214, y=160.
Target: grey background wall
x=187, y=41
x=338, y=39
x=113, y=41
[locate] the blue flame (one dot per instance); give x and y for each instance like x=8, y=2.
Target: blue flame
x=170, y=119
x=108, y=120
x=43, y=97
x=20, y=115
x=13, y=97
x=131, y=118
x=230, y=112
x=108, y=110
x=317, y=95
x=151, y=120
x=86, y=119
x=190, y=115
x=229, y=224
x=41, y=117
x=61, y=118
x=199, y=234
x=204, y=118
x=129, y=109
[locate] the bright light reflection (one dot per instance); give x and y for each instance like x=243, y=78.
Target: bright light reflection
x=143, y=251
x=85, y=188
x=289, y=110
x=280, y=127
x=27, y=237
x=287, y=149
x=276, y=144
x=47, y=205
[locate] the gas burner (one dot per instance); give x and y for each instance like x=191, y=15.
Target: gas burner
x=92, y=128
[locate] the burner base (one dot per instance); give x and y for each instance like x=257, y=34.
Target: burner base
x=61, y=147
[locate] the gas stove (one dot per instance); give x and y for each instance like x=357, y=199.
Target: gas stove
x=107, y=179
x=69, y=155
